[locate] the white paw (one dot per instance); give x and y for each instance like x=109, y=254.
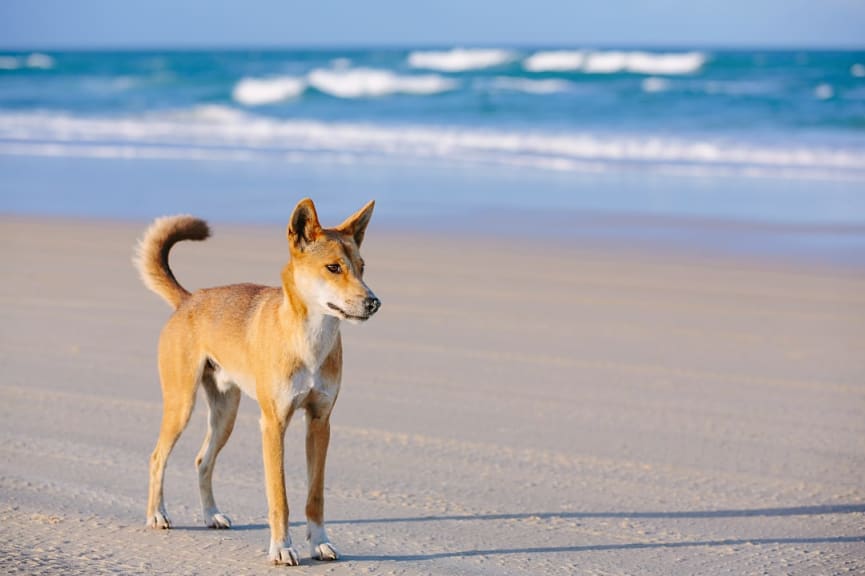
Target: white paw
x=284, y=555
x=324, y=551
x=218, y=521
x=159, y=520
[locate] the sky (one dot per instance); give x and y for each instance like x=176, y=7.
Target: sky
x=268, y=23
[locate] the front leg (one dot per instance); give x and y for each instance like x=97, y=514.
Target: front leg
x=272, y=441
x=317, y=440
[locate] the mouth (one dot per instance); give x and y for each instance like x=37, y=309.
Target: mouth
x=345, y=314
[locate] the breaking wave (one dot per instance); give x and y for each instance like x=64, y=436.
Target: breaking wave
x=35, y=60
x=259, y=91
x=611, y=62
x=370, y=82
x=529, y=86
x=649, y=63
x=459, y=59
x=554, y=61
x=224, y=132
x=340, y=82
x=9, y=63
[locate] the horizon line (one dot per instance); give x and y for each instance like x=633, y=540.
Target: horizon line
x=325, y=46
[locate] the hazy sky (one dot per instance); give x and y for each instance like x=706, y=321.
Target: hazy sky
x=213, y=23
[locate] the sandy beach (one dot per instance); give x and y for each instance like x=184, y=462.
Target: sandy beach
x=517, y=407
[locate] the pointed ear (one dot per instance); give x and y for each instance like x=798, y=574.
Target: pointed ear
x=303, y=227
x=355, y=225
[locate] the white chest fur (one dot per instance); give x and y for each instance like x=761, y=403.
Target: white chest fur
x=321, y=334
x=314, y=345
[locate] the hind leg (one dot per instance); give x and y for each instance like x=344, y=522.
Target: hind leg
x=179, y=384
x=220, y=423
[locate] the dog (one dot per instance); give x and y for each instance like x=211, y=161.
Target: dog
x=279, y=345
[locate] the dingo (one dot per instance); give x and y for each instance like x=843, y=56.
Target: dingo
x=280, y=346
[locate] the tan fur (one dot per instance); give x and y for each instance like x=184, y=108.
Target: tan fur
x=152, y=253
x=280, y=345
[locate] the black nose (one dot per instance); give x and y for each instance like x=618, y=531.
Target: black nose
x=371, y=305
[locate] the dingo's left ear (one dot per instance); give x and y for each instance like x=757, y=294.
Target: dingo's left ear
x=303, y=227
x=355, y=225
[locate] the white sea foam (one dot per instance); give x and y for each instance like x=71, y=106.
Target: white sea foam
x=671, y=63
x=232, y=134
x=612, y=62
x=555, y=61
x=824, y=91
x=34, y=60
x=654, y=84
x=9, y=63
x=371, y=82
x=529, y=86
x=122, y=151
x=605, y=62
x=459, y=59
x=858, y=70
x=259, y=91
x=37, y=60
x=340, y=81
x=205, y=113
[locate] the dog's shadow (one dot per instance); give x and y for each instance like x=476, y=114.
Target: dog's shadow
x=605, y=547
x=686, y=514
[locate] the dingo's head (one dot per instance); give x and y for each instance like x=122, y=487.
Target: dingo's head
x=326, y=265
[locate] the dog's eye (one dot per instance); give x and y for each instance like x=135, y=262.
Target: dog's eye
x=334, y=268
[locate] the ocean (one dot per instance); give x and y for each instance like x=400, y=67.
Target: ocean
x=744, y=135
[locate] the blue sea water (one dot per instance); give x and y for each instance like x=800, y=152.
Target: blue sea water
x=775, y=136
x=798, y=112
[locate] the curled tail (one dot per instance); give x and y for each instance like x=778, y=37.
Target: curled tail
x=151, y=256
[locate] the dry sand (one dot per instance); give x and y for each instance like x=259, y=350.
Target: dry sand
x=515, y=408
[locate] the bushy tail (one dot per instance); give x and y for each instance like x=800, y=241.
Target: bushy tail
x=151, y=255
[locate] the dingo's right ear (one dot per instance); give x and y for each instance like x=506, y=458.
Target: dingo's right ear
x=303, y=227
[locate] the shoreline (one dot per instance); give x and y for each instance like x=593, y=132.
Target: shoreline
x=673, y=238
